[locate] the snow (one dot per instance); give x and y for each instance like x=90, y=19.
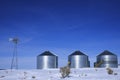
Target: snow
x=54, y=74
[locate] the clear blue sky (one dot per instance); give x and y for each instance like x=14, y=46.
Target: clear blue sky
x=60, y=26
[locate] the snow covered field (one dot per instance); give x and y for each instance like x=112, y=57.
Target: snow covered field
x=54, y=74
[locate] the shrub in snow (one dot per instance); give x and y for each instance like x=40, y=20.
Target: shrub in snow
x=33, y=77
x=115, y=73
x=85, y=74
x=65, y=71
x=109, y=71
x=2, y=76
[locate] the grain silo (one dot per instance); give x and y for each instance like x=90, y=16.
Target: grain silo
x=78, y=60
x=47, y=60
x=106, y=59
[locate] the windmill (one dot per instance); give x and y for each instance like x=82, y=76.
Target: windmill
x=14, y=63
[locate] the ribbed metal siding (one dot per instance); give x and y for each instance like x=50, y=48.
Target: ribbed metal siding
x=79, y=61
x=47, y=61
x=108, y=61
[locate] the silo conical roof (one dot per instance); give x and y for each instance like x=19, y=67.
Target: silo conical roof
x=48, y=53
x=77, y=53
x=106, y=52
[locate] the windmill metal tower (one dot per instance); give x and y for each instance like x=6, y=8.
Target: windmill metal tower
x=14, y=63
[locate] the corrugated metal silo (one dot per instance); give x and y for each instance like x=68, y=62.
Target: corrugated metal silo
x=78, y=60
x=47, y=60
x=107, y=59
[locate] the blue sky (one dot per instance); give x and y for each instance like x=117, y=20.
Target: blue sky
x=60, y=26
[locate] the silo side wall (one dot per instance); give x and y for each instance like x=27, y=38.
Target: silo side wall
x=108, y=61
x=46, y=62
x=79, y=61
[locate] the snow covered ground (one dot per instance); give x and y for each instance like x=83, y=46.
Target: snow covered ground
x=54, y=74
